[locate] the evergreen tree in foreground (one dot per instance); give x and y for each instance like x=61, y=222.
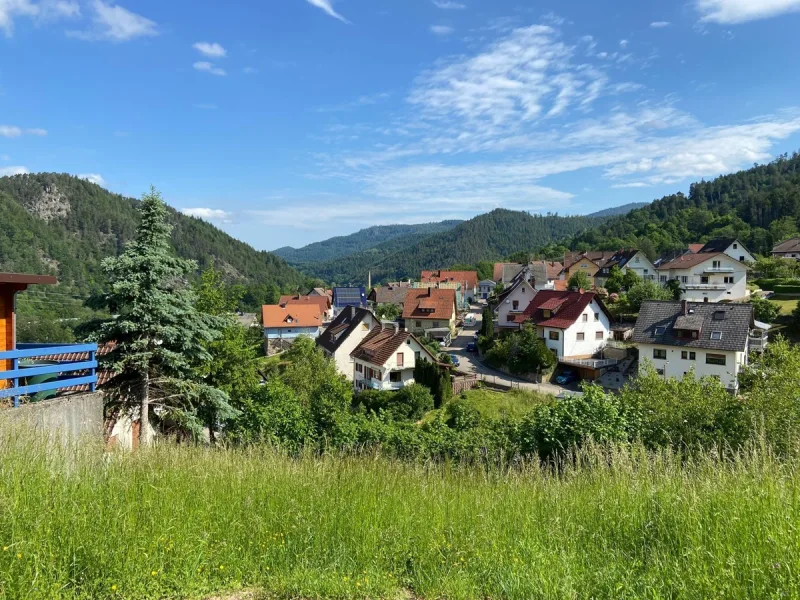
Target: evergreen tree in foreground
x=160, y=338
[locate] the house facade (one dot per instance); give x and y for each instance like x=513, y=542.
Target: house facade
x=788, y=249
x=486, y=288
x=572, y=324
x=707, y=277
x=386, y=357
x=513, y=302
x=344, y=334
x=711, y=339
x=588, y=263
x=730, y=246
x=465, y=281
x=289, y=322
x=429, y=308
x=388, y=294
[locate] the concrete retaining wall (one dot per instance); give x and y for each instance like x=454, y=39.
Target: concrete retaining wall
x=79, y=415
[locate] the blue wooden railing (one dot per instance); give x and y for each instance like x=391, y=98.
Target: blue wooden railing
x=68, y=374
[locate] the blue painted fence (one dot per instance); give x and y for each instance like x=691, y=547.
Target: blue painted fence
x=69, y=373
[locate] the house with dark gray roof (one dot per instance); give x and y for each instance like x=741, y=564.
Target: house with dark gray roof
x=712, y=340
x=388, y=294
x=788, y=249
x=345, y=332
x=730, y=246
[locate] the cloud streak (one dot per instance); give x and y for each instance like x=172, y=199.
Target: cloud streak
x=730, y=12
x=327, y=7
x=116, y=24
x=209, y=214
x=12, y=131
x=207, y=67
x=212, y=50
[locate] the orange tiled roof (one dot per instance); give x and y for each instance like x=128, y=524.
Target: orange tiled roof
x=429, y=303
x=324, y=302
x=293, y=315
x=469, y=278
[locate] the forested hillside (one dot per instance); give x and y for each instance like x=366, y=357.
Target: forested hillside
x=618, y=210
x=759, y=206
x=365, y=239
x=62, y=225
x=486, y=237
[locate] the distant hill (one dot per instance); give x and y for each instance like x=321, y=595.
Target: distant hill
x=491, y=236
x=62, y=225
x=618, y=210
x=759, y=206
x=364, y=239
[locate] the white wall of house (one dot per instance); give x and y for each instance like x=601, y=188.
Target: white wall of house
x=675, y=365
x=738, y=252
x=342, y=358
x=596, y=331
x=642, y=266
x=419, y=326
x=411, y=352
x=702, y=283
x=515, y=303
x=795, y=255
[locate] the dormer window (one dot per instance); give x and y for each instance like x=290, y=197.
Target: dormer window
x=719, y=315
x=716, y=335
x=660, y=330
x=547, y=314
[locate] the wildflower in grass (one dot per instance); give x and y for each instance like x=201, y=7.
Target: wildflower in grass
x=222, y=567
x=114, y=588
x=153, y=573
x=19, y=555
x=5, y=548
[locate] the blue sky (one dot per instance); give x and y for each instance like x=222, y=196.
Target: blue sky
x=290, y=121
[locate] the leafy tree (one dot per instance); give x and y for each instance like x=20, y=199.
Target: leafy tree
x=527, y=353
x=579, y=281
x=487, y=323
x=388, y=312
x=674, y=288
x=615, y=282
x=409, y=403
x=630, y=279
x=764, y=310
x=436, y=378
x=160, y=339
x=645, y=290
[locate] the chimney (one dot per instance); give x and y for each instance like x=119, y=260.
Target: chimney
x=396, y=327
x=684, y=307
x=429, y=291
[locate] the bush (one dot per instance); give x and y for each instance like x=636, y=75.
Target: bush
x=764, y=310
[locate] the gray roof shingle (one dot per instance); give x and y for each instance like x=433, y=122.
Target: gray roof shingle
x=732, y=321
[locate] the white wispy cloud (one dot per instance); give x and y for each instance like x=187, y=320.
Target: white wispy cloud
x=326, y=6
x=116, y=23
x=208, y=67
x=441, y=29
x=623, y=43
x=741, y=11
x=449, y=5
x=44, y=11
x=10, y=9
x=660, y=24
x=213, y=50
x=9, y=171
x=364, y=100
x=59, y=9
x=93, y=178
x=12, y=131
x=209, y=214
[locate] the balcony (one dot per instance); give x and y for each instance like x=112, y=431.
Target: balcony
x=695, y=285
x=34, y=370
x=758, y=343
x=718, y=270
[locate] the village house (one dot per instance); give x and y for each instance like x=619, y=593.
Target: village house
x=342, y=297
x=342, y=336
x=573, y=325
x=585, y=262
x=430, y=308
x=730, y=246
x=505, y=272
x=713, y=339
x=788, y=249
x=632, y=260
x=388, y=294
x=706, y=277
x=318, y=291
x=464, y=281
x=486, y=288
x=386, y=357
x=323, y=301
x=286, y=323
x=512, y=302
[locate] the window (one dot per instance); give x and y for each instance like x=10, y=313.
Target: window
x=400, y=359
x=509, y=317
x=515, y=305
x=596, y=316
x=692, y=355
x=716, y=335
x=728, y=279
x=663, y=279
x=684, y=355
x=684, y=279
x=436, y=324
x=736, y=246
x=598, y=335
x=395, y=377
x=659, y=354
x=417, y=355
x=715, y=359
x=704, y=279
x=646, y=271
x=584, y=266
x=581, y=337
x=585, y=318
x=359, y=368
x=716, y=264
x=553, y=335
x=719, y=315
x=419, y=324
x=546, y=314
x=660, y=330
x=636, y=260
x=741, y=259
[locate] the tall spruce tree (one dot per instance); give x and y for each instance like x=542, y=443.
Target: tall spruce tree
x=158, y=336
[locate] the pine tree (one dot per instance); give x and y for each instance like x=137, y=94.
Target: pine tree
x=159, y=338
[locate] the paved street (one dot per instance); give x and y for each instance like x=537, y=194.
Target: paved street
x=469, y=362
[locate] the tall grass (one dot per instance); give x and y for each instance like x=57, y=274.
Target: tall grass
x=176, y=522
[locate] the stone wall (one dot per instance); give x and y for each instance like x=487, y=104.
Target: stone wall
x=79, y=415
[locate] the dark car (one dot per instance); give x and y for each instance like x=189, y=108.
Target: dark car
x=472, y=347
x=455, y=360
x=567, y=377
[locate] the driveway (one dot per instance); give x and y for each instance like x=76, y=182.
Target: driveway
x=469, y=362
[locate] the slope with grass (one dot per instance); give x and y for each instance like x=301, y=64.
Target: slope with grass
x=181, y=522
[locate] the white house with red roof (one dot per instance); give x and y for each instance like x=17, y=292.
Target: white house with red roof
x=572, y=324
x=707, y=276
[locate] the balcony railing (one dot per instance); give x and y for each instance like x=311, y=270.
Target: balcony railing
x=718, y=270
x=22, y=375
x=758, y=344
x=692, y=285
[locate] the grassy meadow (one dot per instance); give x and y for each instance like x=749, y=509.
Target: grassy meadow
x=181, y=522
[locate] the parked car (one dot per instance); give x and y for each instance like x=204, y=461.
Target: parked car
x=567, y=377
x=472, y=347
x=455, y=360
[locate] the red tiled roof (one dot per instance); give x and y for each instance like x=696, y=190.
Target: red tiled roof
x=687, y=261
x=382, y=342
x=695, y=248
x=293, y=315
x=442, y=301
x=561, y=285
x=597, y=257
x=553, y=269
x=324, y=302
x=468, y=278
x=572, y=305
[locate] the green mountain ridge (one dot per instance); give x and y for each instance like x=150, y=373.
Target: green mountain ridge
x=618, y=210
x=63, y=225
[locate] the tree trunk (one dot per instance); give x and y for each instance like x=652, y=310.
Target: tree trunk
x=144, y=412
